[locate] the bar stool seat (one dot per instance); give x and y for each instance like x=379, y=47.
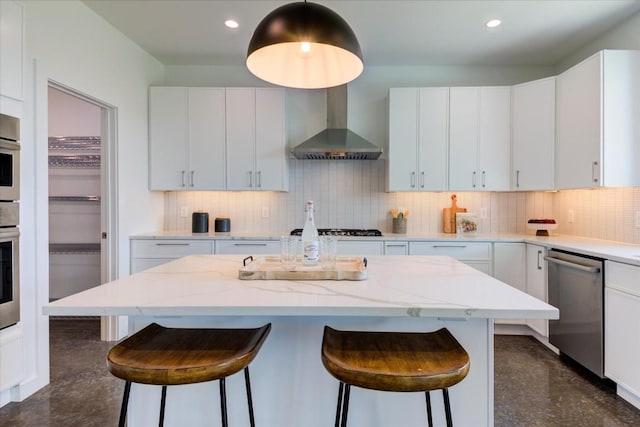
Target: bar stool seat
x=394, y=361
x=173, y=356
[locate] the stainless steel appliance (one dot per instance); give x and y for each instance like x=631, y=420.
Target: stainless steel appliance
x=576, y=288
x=9, y=158
x=9, y=277
x=352, y=232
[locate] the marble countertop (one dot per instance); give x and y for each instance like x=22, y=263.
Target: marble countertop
x=606, y=249
x=400, y=286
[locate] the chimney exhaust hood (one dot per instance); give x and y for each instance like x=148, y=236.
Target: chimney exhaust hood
x=336, y=141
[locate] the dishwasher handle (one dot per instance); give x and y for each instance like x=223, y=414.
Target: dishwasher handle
x=587, y=268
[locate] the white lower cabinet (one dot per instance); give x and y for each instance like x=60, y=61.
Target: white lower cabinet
x=396, y=248
x=536, y=284
x=147, y=253
x=359, y=247
x=509, y=267
x=248, y=247
x=622, y=328
x=474, y=254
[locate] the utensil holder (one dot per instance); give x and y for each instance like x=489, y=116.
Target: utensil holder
x=399, y=225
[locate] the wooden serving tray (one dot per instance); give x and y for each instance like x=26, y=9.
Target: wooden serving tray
x=269, y=268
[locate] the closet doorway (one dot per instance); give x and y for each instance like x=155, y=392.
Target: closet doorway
x=82, y=216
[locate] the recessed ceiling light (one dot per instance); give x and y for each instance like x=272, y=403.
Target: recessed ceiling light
x=493, y=23
x=231, y=23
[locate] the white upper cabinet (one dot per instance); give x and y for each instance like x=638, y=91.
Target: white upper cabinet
x=418, y=139
x=187, y=138
x=256, y=141
x=597, y=126
x=533, y=135
x=11, y=49
x=479, y=138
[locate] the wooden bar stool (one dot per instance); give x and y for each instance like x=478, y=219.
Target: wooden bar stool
x=173, y=356
x=394, y=361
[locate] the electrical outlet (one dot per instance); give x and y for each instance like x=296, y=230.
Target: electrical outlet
x=637, y=221
x=184, y=211
x=483, y=213
x=265, y=212
x=571, y=216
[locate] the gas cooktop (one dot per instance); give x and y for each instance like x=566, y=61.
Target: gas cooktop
x=357, y=232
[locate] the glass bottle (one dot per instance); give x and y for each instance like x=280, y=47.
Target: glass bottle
x=310, y=241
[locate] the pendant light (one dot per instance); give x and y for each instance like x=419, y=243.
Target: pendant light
x=304, y=45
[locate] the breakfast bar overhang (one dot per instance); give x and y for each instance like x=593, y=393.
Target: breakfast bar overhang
x=290, y=385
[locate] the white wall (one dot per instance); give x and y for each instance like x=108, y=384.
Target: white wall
x=67, y=43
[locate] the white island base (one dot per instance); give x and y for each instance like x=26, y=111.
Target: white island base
x=291, y=387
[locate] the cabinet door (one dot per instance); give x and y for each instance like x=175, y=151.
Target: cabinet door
x=241, y=138
x=206, y=125
x=578, y=126
x=402, y=173
x=464, y=122
x=537, y=284
x=11, y=49
x=168, y=167
x=433, y=139
x=495, y=138
x=509, y=267
x=533, y=142
x=271, y=161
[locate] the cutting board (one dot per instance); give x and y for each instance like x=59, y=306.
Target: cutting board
x=449, y=215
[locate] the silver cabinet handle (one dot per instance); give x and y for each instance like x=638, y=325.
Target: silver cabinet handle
x=484, y=179
x=172, y=244
x=580, y=267
x=449, y=246
x=518, y=179
x=192, y=175
x=259, y=179
x=183, y=184
x=396, y=245
x=473, y=179
x=249, y=244
x=539, y=264
x=421, y=179
x=413, y=180
x=250, y=178
x=594, y=171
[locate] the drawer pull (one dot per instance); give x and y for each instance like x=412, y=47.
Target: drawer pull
x=449, y=246
x=250, y=244
x=397, y=246
x=172, y=244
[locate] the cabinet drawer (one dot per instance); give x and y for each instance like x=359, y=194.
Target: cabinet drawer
x=623, y=277
x=169, y=248
x=466, y=251
x=248, y=247
x=396, y=248
x=346, y=247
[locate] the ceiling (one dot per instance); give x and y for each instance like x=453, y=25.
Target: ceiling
x=419, y=32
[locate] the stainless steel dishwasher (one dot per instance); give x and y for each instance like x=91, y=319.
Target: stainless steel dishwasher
x=576, y=288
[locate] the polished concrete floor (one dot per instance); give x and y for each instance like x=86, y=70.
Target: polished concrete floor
x=532, y=387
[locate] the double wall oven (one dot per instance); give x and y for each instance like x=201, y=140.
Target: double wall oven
x=9, y=220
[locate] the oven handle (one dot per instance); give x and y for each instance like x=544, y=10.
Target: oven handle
x=580, y=267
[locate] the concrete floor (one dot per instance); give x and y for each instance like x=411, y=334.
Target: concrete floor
x=532, y=387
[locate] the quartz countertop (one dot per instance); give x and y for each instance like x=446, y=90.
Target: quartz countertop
x=400, y=286
x=606, y=249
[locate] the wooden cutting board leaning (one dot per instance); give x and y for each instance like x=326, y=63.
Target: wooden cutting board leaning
x=449, y=215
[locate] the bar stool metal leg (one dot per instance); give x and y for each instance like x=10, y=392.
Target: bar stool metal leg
x=447, y=407
x=223, y=403
x=429, y=417
x=339, y=408
x=345, y=404
x=125, y=402
x=247, y=383
x=163, y=402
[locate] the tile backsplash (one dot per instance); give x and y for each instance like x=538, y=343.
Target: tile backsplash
x=350, y=194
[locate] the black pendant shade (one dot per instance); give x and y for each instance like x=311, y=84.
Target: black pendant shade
x=304, y=45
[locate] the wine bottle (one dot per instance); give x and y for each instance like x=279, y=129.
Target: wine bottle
x=310, y=241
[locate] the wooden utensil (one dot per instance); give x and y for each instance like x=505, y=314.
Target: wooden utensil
x=449, y=215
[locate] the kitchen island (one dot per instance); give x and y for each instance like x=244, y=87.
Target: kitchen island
x=290, y=385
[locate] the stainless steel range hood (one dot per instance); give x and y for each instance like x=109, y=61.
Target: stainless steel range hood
x=336, y=141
